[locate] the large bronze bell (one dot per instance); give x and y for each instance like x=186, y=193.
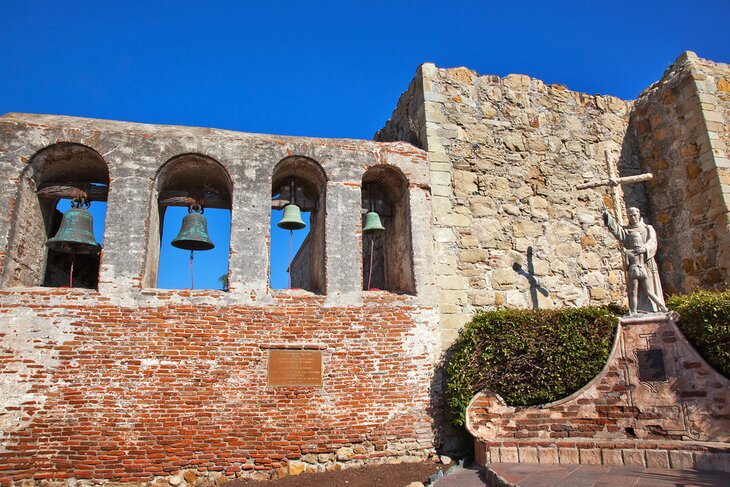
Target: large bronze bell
x=373, y=224
x=76, y=233
x=292, y=219
x=193, y=234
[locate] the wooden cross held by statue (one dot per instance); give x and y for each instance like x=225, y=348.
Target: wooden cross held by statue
x=613, y=181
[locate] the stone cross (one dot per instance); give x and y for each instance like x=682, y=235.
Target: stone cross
x=614, y=182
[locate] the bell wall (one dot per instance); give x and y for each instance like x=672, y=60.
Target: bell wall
x=128, y=382
x=132, y=383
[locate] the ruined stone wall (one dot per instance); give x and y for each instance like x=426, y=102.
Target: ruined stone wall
x=505, y=156
x=682, y=124
x=408, y=122
x=129, y=382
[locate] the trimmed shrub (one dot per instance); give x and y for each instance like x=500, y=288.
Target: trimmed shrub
x=704, y=318
x=529, y=356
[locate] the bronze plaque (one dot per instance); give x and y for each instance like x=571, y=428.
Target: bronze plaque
x=651, y=365
x=301, y=368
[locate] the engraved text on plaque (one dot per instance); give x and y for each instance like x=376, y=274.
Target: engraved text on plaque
x=295, y=368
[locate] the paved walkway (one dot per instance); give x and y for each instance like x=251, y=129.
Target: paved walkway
x=466, y=477
x=530, y=475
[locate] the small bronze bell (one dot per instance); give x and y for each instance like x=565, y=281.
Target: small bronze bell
x=76, y=233
x=194, y=231
x=373, y=224
x=292, y=219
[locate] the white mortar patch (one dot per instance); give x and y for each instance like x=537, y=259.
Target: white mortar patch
x=32, y=340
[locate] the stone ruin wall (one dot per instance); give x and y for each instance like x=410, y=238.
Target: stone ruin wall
x=682, y=125
x=132, y=383
x=505, y=154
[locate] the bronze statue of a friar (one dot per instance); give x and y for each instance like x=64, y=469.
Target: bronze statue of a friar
x=640, y=245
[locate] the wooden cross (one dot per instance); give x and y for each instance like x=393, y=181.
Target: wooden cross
x=615, y=182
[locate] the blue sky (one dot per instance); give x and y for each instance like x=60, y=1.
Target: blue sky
x=324, y=69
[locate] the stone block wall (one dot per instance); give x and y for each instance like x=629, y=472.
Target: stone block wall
x=300, y=264
x=132, y=383
x=408, y=122
x=505, y=155
x=682, y=126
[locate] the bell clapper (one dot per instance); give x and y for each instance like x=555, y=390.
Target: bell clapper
x=75, y=235
x=193, y=235
x=71, y=273
x=372, y=248
x=292, y=220
x=288, y=268
x=76, y=203
x=292, y=199
x=374, y=227
x=372, y=237
x=192, y=276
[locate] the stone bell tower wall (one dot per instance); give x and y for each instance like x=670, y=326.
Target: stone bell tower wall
x=505, y=155
x=682, y=126
x=131, y=383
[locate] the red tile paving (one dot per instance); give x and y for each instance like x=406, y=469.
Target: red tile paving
x=531, y=475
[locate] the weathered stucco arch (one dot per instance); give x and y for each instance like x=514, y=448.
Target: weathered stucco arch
x=385, y=191
x=309, y=181
x=58, y=171
x=183, y=180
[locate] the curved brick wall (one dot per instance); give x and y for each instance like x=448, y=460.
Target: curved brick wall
x=657, y=403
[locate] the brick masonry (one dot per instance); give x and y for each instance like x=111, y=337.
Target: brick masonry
x=108, y=392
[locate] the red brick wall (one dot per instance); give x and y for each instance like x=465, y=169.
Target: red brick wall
x=139, y=392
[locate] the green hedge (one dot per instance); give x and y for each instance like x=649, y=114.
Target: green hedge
x=705, y=321
x=529, y=356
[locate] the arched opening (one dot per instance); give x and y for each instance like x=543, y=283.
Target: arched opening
x=297, y=256
x=387, y=252
x=190, y=212
x=56, y=176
